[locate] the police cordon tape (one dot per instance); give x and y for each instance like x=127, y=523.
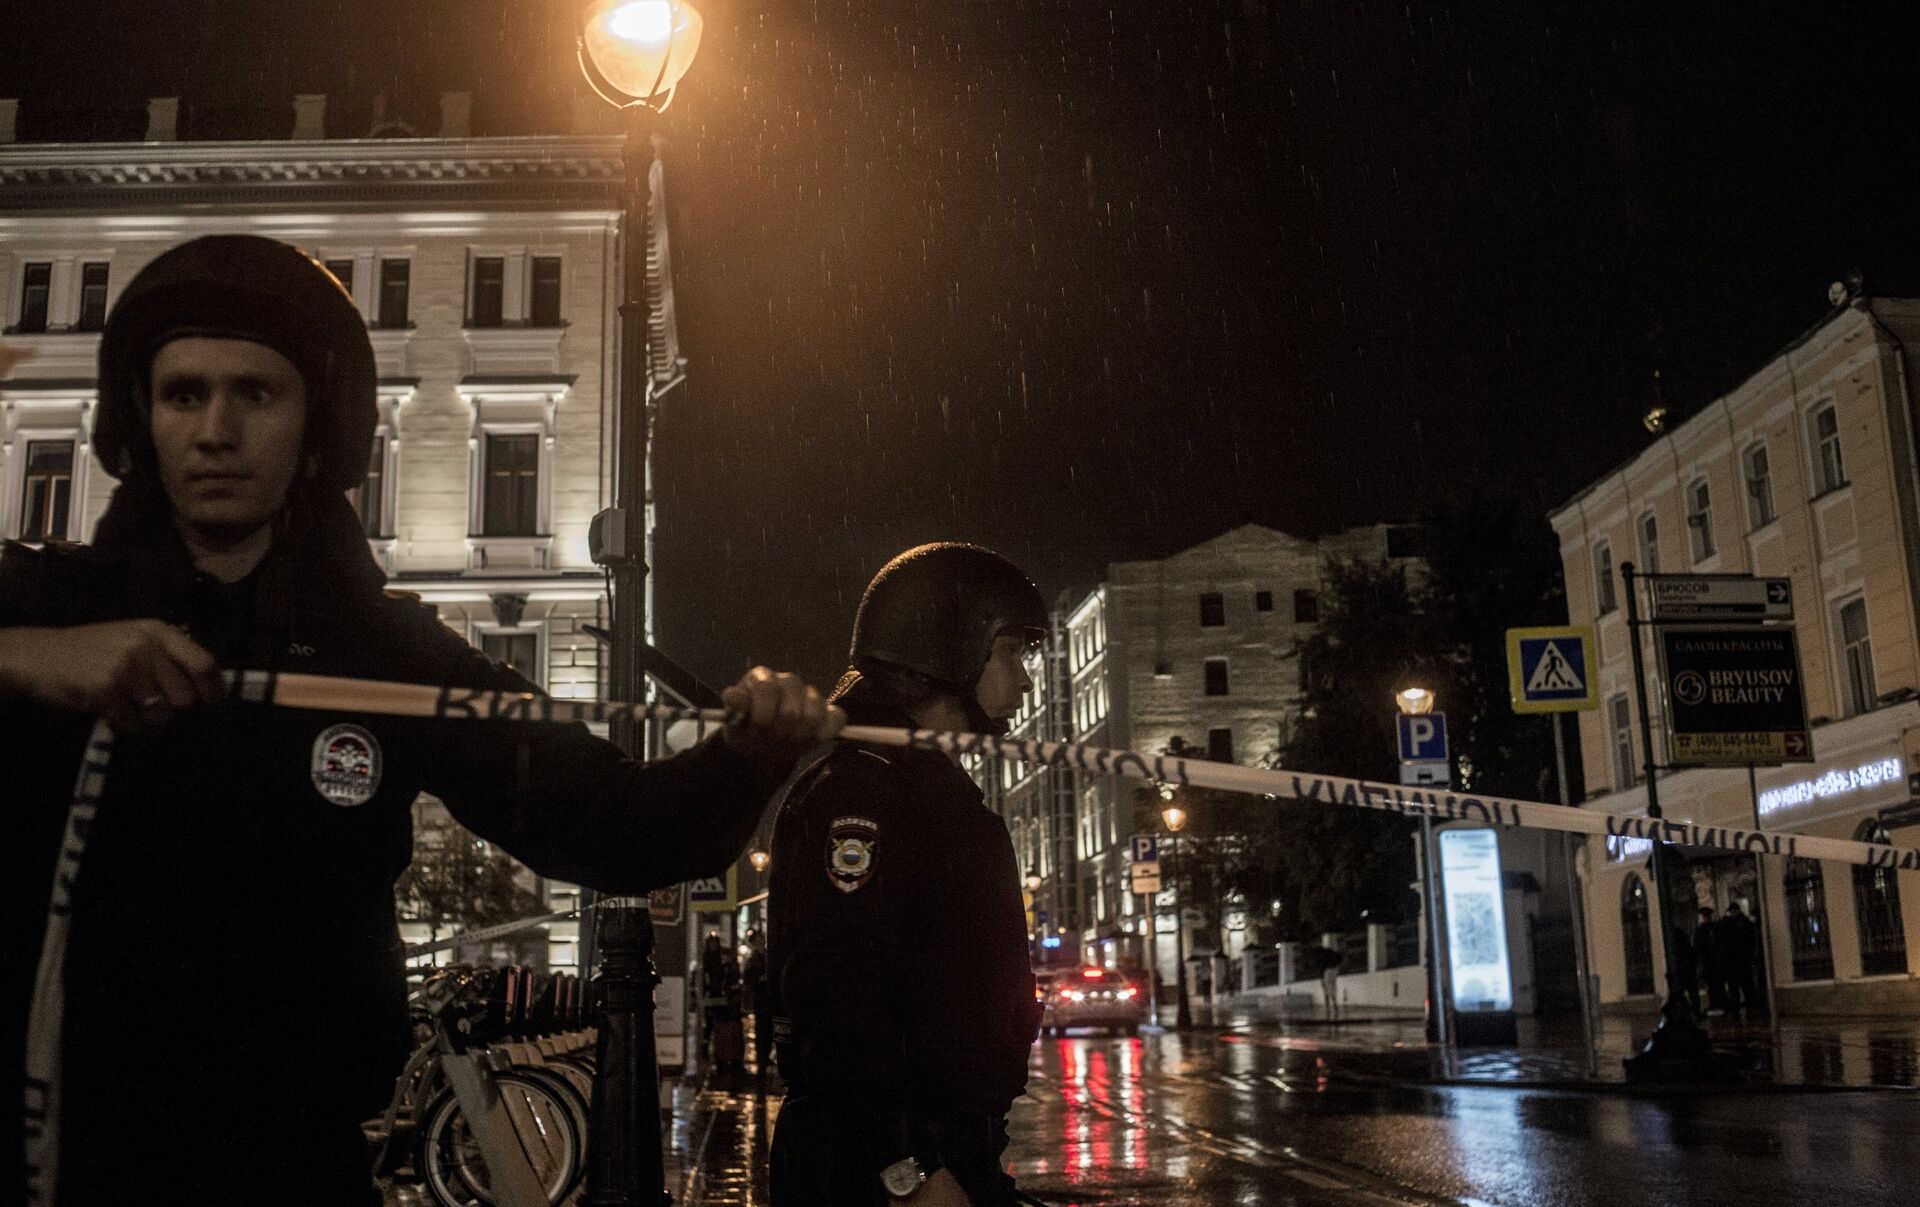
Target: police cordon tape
x=325, y=693
x=486, y=934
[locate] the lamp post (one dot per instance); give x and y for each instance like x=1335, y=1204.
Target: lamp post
x=1176, y=818
x=1032, y=882
x=633, y=53
x=1417, y=702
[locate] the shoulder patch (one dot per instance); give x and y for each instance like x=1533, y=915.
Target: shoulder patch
x=851, y=846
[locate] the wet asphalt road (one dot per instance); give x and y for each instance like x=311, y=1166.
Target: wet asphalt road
x=1173, y=1120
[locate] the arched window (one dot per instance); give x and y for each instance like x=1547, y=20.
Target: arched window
x=1636, y=935
x=1876, y=903
x=1806, y=892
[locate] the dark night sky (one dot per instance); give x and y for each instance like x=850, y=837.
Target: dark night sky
x=1093, y=281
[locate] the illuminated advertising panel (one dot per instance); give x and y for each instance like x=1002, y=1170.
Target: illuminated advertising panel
x=1476, y=921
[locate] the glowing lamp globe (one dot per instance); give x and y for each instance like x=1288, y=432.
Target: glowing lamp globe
x=759, y=860
x=1414, y=701
x=1174, y=816
x=642, y=47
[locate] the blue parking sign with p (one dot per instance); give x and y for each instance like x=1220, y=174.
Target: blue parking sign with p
x=1423, y=738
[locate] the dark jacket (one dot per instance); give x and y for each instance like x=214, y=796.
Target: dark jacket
x=231, y=922
x=898, y=941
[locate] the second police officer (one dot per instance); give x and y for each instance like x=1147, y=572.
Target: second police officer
x=899, y=955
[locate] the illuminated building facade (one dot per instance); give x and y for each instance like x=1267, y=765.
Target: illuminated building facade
x=1805, y=470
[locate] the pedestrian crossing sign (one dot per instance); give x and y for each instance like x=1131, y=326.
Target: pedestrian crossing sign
x=1551, y=669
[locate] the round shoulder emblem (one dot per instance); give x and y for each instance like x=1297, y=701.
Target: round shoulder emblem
x=850, y=846
x=346, y=764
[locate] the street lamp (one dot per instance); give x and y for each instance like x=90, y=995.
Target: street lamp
x=635, y=51
x=1418, y=702
x=632, y=53
x=1176, y=818
x=759, y=859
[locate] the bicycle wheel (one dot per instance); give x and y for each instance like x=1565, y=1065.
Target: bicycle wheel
x=451, y=1163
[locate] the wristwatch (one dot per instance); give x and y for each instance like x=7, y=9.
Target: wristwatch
x=903, y=1177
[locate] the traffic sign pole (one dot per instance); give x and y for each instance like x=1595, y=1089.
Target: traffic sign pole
x=1678, y=1010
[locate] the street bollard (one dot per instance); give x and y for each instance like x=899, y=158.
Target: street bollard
x=624, y=1161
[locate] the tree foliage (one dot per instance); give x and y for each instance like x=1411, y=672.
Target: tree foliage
x=458, y=881
x=1491, y=563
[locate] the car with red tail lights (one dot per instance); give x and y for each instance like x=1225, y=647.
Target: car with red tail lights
x=1090, y=997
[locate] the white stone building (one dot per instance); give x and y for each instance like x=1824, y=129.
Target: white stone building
x=1806, y=469
x=1199, y=647
x=488, y=270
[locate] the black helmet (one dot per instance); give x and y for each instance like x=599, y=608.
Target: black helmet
x=252, y=288
x=935, y=610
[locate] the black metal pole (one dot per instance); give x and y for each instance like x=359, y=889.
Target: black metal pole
x=1678, y=1008
x=625, y=1164
x=1183, y=1013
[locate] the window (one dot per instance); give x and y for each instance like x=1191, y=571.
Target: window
x=1829, y=471
x=1856, y=655
x=1806, y=894
x=1216, y=676
x=1213, y=610
x=48, y=491
x=1620, y=725
x=1263, y=601
x=396, y=276
x=342, y=271
x=1220, y=745
x=1636, y=935
x=1604, y=600
x=1759, y=487
x=1649, y=544
x=488, y=308
x=1700, y=520
x=512, y=476
x=370, y=496
x=36, y=285
x=520, y=651
x=544, y=308
x=1306, y=606
x=1876, y=903
x=93, y=296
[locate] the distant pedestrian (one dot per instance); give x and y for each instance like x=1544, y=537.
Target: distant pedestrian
x=1710, y=948
x=759, y=1000
x=1326, y=961
x=1740, y=939
x=1686, y=969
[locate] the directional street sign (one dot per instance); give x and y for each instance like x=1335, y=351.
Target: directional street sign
x=1146, y=848
x=1718, y=597
x=1551, y=669
x=1146, y=876
x=1423, y=738
x=1734, y=697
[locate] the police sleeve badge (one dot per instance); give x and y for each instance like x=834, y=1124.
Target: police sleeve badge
x=850, y=847
x=346, y=765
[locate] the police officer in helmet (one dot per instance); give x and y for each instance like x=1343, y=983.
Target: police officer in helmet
x=233, y=995
x=903, y=989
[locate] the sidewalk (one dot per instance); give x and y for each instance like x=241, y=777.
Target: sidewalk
x=1805, y=1053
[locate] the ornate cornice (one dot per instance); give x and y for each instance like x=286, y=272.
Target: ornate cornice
x=119, y=175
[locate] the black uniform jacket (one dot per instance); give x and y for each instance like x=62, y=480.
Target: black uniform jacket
x=898, y=937
x=233, y=923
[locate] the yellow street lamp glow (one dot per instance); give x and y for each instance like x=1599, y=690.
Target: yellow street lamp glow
x=1414, y=701
x=1174, y=816
x=642, y=47
x=1033, y=882
x=759, y=860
